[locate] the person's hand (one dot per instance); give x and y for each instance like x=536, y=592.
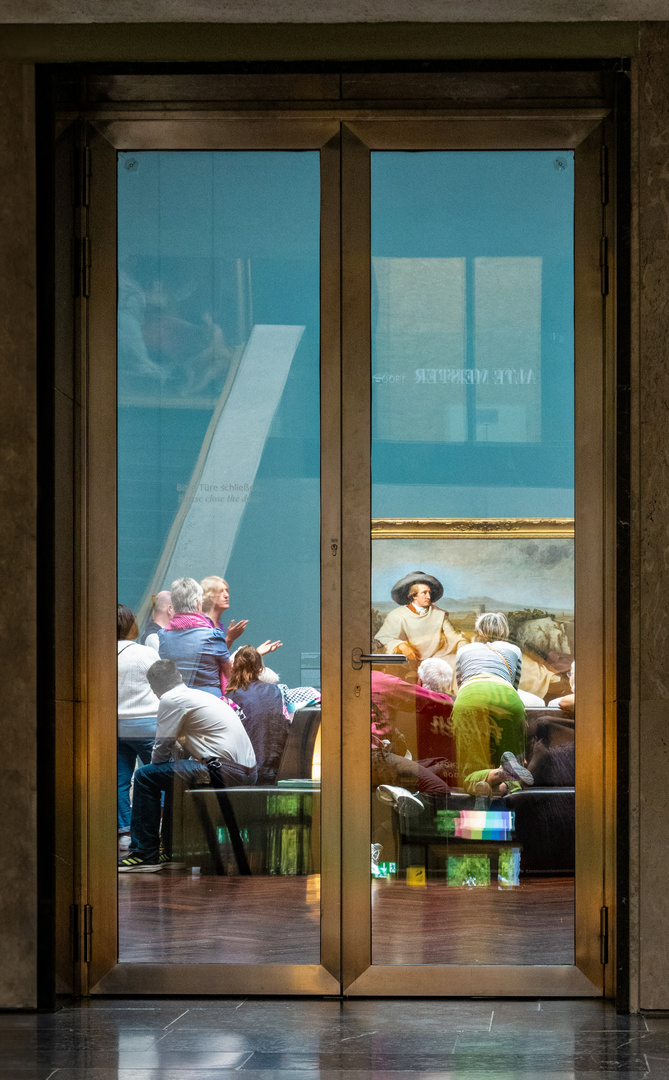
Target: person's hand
x=268, y=647
x=235, y=630
x=408, y=650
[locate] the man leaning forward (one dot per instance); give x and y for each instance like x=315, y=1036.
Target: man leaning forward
x=200, y=740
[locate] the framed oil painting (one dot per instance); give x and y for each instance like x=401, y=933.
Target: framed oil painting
x=523, y=567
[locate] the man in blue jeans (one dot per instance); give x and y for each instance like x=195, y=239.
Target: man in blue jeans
x=199, y=740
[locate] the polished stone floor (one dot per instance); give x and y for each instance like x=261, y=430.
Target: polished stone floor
x=202, y=1039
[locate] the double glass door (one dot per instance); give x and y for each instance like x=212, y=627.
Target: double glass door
x=344, y=358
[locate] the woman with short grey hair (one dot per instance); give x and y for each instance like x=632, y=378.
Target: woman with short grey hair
x=186, y=594
x=436, y=674
x=199, y=650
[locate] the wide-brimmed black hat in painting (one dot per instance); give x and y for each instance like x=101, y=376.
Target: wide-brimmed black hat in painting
x=400, y=590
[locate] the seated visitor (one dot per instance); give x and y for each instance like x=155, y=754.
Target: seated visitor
x=418, y=628
x=215, y=601
x=488, y=715
x=262, y=707
x=414, y=707
x=552, y=743
x=566, y=703
x=393, y=694
x=161, y=613
x=200, y=740
x=200, y=651
x=391, y=767
x=393, y=701
x=553, y=759
x=137, y=709
x=435, y=674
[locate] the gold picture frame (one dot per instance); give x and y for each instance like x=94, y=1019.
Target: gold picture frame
x=472, y=528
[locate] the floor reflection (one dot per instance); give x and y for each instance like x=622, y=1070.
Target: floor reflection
x=532, y=923
x=183, y=918
x=199, y=1039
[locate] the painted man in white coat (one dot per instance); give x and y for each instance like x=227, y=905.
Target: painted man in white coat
x=418, y=628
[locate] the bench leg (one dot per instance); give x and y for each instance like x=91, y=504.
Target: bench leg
x=233, y=831
x=209, y=832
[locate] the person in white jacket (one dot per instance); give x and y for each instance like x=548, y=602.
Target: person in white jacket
x=137, y=712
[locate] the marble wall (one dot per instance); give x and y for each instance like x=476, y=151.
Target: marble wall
x=326, y=11
x=18, y=500
x=652, y=666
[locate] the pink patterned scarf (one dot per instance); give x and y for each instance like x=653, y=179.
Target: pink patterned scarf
x=187, y=620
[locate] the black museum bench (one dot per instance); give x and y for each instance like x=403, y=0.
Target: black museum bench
x=258, y=830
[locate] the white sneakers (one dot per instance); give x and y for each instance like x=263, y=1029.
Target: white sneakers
x=400, y=799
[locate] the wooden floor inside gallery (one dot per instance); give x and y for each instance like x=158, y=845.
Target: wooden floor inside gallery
x=175, y=917
x=532, y=923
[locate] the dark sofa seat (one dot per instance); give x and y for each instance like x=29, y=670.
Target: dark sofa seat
x=544, y=828
x=543, y=815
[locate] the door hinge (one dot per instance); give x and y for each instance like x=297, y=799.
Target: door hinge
x=83, y=273
x=604, y=174
x=81, y=936
x=604, y=264
x=88, y=934
x=83, y=177
x=604, y=935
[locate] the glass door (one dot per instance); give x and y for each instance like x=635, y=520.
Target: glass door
x=472, y=420
x=465, y=666
x=344, y=386
x=219, y=516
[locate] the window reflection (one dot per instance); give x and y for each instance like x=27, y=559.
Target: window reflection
x=436, y=381
x=507, y=349
x=472, y=334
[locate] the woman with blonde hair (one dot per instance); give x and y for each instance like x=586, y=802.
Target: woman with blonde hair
x=216, y=600
x=263, y=717
x=488, y=714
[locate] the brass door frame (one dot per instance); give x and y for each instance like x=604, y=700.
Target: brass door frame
x=104, y=974
x=594, y=574
x=345, y=897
